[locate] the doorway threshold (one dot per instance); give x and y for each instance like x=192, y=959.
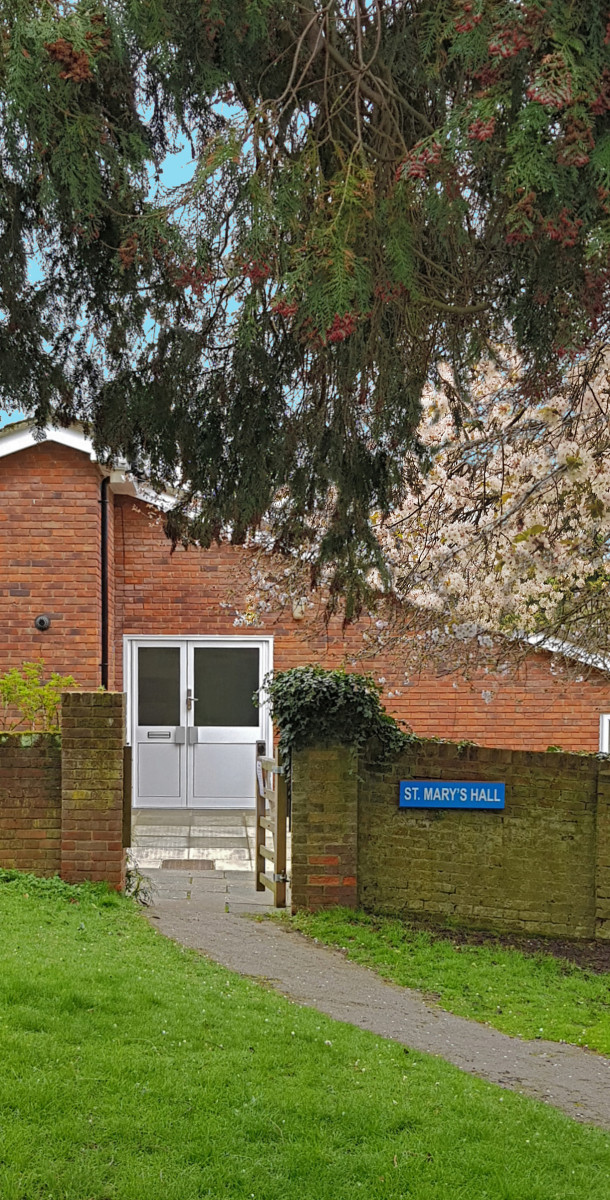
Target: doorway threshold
x=224, y=838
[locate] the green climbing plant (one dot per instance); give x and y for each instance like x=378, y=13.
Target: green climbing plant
x=313, y=706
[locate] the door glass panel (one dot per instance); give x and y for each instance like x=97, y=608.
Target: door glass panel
x=158, y=685
x=225, y=680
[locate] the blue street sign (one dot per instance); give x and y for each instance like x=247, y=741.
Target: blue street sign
x=450, y=793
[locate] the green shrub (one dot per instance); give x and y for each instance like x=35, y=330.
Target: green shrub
x=29, y=701
x=313, y=706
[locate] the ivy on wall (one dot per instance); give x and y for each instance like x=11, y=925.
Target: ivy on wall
x=313, y=706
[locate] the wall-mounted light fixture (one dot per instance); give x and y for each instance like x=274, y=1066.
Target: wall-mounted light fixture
x=298, y=609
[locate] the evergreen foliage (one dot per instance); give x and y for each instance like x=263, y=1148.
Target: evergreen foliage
x=317, y=707
x=380, y=186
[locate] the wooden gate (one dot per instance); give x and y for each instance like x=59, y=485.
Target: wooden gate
x=271, y=817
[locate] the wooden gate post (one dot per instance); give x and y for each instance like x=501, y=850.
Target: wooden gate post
x=271, y=817
x=259, y=787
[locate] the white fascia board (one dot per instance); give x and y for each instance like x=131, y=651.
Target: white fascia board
x=122, y=484
x=161, y=500
x=23, y=439
x=604, y=733
x=555, y=646
x=74, y=439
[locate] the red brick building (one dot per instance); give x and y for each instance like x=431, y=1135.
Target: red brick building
x=79, y=546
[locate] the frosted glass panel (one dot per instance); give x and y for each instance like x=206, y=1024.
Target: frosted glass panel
x=159, y=685
x=225, y=681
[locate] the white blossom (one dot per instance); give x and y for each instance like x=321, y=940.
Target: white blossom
x=505, y=537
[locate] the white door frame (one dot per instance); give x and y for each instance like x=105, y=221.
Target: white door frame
x=132, y=640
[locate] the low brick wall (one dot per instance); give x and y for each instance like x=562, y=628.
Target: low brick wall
x=93, y=736
x=30, y=802
x=541, y=866
x=62, y=798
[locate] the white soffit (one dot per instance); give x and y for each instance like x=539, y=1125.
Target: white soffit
x=20, y=436
x=554, y=646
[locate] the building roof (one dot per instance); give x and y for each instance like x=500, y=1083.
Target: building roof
x=21, y=435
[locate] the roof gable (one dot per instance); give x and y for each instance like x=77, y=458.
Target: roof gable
x=21, y=435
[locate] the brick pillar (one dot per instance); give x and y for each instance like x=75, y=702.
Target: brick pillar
x=602, y=864
x=324, y=790
x=93, y=735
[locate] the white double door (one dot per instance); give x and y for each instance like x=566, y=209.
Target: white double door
x=195, y=725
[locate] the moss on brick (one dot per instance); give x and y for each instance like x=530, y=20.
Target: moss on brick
x=541, y=866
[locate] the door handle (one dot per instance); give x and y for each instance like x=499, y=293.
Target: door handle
x=190, y=699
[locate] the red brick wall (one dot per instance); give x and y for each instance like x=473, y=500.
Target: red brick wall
x=93, y=735
x=324, y=828
x=111, y=591
x=184, y=593
x=30, y=803
x=50, y=560
x=540, y=866
x=190, y=592
x=61, y=799
x=532, y=711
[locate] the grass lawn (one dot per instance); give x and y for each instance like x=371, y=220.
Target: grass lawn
x=528, y=995
x=135, y=1070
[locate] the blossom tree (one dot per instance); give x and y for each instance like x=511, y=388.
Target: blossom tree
x=503, y=537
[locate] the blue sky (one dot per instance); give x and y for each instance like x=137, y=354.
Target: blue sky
x=177, y=169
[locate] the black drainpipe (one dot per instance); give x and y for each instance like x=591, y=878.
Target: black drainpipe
x=104, y=578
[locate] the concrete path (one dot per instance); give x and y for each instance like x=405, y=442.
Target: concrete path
x=205, y=910
x=224, y=838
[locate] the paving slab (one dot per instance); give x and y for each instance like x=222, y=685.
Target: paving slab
x=226, y=836
x=219, y=924
x=199, y=890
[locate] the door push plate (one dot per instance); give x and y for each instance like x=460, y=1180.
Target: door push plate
x=180, y=737
x=193, y=735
